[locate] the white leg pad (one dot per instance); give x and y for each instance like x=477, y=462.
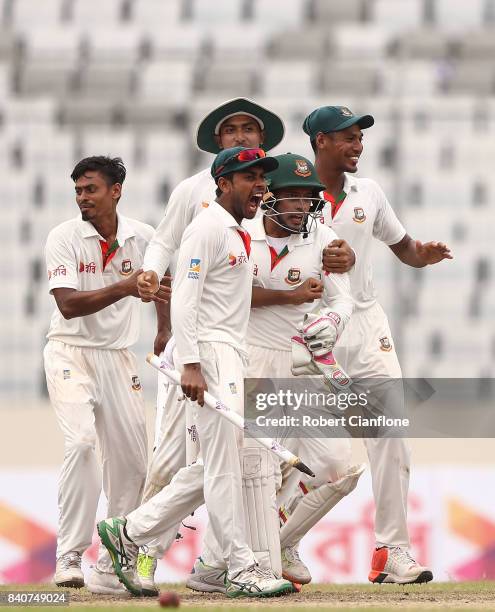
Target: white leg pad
x=258, y=489
x=315, y=504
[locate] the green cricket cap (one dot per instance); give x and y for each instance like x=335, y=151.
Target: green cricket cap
x=333, y=119
x=228, y=161
x=294, y=171
x=209, y=127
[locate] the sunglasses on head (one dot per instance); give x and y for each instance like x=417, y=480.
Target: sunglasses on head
x=246, y=155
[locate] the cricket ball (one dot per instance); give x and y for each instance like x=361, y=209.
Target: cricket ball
x=169, y=599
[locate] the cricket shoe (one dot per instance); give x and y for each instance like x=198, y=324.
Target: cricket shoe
x=396, y=565
x=68, y=572
x=146, y=568
x=105, y=583
x=293, y=568
x=122, y=551
x=257, y=582
x=207, y=579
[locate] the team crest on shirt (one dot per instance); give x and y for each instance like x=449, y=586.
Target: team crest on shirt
x=126, y=268
x=233, y=388
x=66, y=374
x=359, y=216
x=205, y=204
x=293, y=276
x=302, y=168
x=136, y=383
x=194, y=269
x=385, y=344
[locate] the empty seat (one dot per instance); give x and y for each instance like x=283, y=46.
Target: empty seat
x=290, y=79
x=353, y=78
x=351, y=41
x=45, y=77
x=306, y=44
x=111, y=80
x=34, y=15
x=152, y=12
x=166, y=80
x=397, y=15
x=236, y=41
x=279, y=15
x=176, y=42
x=86, y=111
x=94, y=11
x=125, y=44
x=323, y=11
x=220, y=11
x=225, y=78
x=473, y=77
x=458, y=15
x=114, y=143
x=478, y=45
x=426, y=44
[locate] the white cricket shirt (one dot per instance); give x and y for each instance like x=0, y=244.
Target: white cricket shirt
x=211, y=297
x=74, y=259
x=273, y=326
x=363, y=215
x=188, y=199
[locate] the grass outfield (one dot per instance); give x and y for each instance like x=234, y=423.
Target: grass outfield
x=372, y=598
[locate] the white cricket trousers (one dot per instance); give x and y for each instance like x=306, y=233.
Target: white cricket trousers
x=366, y=350
x=329, y=458
x=215, y=478
x=96, y=393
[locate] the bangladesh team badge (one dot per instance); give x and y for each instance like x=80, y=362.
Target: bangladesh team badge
x=359, y=216
x=126, y=268
x=385, y=344
x=293, y=276
x=136, y=383
x=302, y=168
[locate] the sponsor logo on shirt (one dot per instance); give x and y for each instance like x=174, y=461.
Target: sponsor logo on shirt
x=66, y=374
x=90, y=268
x=58, y=271
x=193, y=433
x=359, y=216
x=126, y=267
x=233, y=388
x=194, y=269
x=293, y=276
x=302, y=168
x=255, y=270
x=385, y=344
x=205, y=204
x=237, y=260
x=136, y=383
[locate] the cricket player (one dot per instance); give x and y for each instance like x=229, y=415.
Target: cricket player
x=287, y=244
x=210, y=313
x=93, y=262
x=237, y=122
x=358, y=211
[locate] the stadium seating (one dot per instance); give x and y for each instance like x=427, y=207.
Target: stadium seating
x=133, y=78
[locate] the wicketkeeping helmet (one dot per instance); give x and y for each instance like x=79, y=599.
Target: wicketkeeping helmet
x=294, y=171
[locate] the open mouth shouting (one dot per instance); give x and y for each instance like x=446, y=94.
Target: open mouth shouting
x=254, y=202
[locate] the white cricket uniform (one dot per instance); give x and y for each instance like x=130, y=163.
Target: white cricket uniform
x=187, y=200
x=210, y=312
x=93, y=381
x=366, y=347
x=271, y=327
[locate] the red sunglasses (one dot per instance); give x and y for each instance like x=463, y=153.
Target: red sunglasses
x=247, y=155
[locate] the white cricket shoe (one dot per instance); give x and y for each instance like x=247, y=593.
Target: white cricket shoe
x=105, y=583
x=146, y=568
x=293, y=568
x=207, y=579
x=396, y=565
x=68, y=572
x=257, y=582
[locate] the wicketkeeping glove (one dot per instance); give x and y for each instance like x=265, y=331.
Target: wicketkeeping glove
x=321, y=331
x=304, y=363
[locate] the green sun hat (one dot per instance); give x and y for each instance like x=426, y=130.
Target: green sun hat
x=271, y=123
x=333, y=119
x=237, y=159
x=294, y=171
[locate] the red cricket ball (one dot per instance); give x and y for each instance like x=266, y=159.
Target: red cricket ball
x=169, y=599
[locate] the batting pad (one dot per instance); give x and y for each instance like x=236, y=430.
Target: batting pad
x=316, y=503
x=258, y=490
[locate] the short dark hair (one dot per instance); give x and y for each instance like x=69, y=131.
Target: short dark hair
x=229, y=177
x=112, y=169
x=313, y=146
